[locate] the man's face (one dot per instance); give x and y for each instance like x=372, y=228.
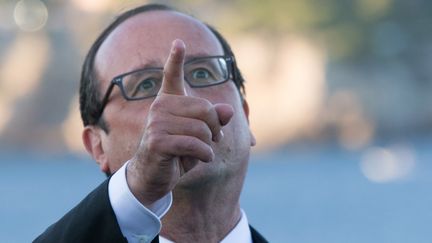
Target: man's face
x=144, y=41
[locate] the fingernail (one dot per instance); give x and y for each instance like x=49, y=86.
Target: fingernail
x=174, y=47
x=213, y=156
x=176, y=44
x=219, y=136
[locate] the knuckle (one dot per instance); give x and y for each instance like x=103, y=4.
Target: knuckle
x=207, y=104
x=205, y=108
x=203, y=132
x=190, y=144
x=151, y=127
x=157, y=104
x=154, y=142
x=154, y=121
x=196, y=148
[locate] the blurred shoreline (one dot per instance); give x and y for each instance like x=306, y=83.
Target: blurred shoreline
x=315, y=194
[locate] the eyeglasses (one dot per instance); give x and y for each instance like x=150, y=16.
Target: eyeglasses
x=145, y=83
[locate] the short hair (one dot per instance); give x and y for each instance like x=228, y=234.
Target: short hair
x=90, y=96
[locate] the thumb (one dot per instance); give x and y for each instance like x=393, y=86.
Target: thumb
x=172, y=82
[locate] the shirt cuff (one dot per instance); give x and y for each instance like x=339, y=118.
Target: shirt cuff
x=137, y=222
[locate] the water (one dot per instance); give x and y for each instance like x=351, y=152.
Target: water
x=290, y=195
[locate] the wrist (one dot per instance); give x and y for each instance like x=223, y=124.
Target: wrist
x=136, y=184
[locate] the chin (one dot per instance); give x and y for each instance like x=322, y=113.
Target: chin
x=205, y=176
x=202, y=175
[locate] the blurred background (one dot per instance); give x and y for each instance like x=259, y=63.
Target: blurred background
x=340, y=98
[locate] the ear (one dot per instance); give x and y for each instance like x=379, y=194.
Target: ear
x=91, y=137
x=246, y=111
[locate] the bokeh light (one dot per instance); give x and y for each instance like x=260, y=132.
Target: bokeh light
x=388, y=164
x=30, y=15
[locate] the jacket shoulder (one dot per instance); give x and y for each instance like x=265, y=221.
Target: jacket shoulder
x=257, y=237
x=92, y=220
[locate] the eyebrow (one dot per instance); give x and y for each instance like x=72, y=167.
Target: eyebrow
x=199, y=55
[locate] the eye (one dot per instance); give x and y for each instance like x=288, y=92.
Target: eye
x=203, y=72
x=146, y=84
x=200, y=73
x=145, y=87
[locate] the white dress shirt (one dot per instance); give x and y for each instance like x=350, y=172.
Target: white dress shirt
x=140, y=224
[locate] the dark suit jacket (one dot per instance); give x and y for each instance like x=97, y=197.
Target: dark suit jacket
x=93, y=221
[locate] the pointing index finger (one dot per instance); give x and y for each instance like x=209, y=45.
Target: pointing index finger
x=173, y=71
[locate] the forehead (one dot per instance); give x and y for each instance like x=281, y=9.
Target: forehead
x=145, y=39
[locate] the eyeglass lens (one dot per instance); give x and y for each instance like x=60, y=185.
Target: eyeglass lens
x=200, y=72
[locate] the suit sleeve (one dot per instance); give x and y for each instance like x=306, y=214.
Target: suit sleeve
x=92, y=220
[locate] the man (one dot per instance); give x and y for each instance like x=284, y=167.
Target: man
x=176, y=139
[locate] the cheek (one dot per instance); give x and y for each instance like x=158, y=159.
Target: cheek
x=224, y=93
x=128, y=125
x=125, y=130
x=122, y=143
x=127, y=116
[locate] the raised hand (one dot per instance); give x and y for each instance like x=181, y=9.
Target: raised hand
x=178, y=134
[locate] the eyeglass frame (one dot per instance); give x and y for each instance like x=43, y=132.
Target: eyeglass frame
x=118, y=80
